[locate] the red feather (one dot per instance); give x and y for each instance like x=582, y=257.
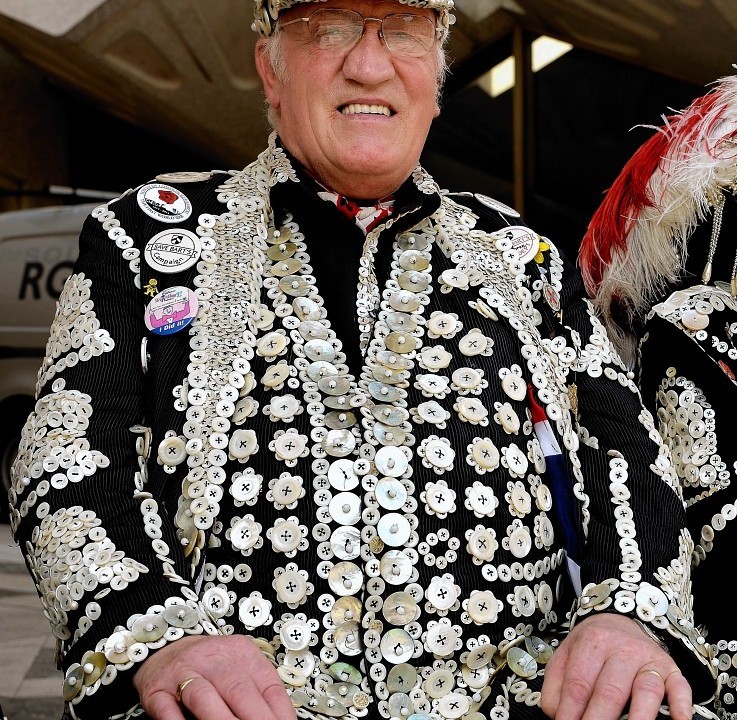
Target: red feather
x=629, y=194
x=609, y=226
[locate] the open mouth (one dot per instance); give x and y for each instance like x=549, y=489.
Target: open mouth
x=360, y=109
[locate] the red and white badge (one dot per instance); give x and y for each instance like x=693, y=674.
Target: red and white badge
x=164, y=203
x=172, y=251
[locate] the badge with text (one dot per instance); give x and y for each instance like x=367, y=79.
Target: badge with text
x=526, y=242
x=496, y=205
x=172, y=251
x=164, y=203
x=171, y=310
x=184, y=177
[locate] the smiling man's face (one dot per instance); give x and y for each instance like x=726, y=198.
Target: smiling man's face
x=356, y=119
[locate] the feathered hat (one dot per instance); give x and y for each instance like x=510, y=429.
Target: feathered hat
x=636, y=242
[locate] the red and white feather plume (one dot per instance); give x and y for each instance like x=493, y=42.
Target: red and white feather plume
x=636, y=242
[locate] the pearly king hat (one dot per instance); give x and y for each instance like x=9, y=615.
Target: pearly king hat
x=266, y=12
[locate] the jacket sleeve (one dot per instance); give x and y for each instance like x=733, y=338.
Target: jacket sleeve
x=97, y=536
x=636, y=550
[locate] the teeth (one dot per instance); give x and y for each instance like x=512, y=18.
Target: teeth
x=356, y=109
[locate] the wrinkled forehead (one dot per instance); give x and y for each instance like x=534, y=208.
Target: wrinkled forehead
x=266, y=12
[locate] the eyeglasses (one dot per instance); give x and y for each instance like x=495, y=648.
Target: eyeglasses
x=339, y=30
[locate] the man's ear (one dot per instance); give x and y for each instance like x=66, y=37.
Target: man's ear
x=269, y=79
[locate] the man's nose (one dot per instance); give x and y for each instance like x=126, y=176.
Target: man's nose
x=369, y=61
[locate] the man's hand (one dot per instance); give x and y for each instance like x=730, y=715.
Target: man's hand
x=606, y=662
x=227, y=678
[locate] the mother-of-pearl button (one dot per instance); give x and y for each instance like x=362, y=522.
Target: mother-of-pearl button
x=401, y=678
x=244, y=534
x=391, y=461
x=439, y=454
x=172, y=451
x=435, y=358
x=242, y=444
x=348, y=639
x=482, y=544
x=651, y=600
x=520, y=542
x=484, y=653
x=285, y=536
x=254, y=612
x=471, y=409
x=245, y=487
x=271, y=344
x=521, y=500
x=276, y=375
x=295, y=634
x=432, y=384
x=438, y=683
x=306, y=309
x=442, y=639
x=345, y=508
x=216, y=601
x=454, y=278
x=346, y=608
x=389, y=415
x=345, y=578
x=524, y=598
x=302, y=660
x=433, y=412
x=290, y=445
x=414, y=260
x=442, y=593
x=485, y=453
x=339, y=443
x=516, y=460
x=319, y=350
x=394, y=529
x=473, y=343
x=521, y=662
x=397, y=646
x=481, y=499
x=466, y=378
x=395, y=567
x=401, y=342
x=390, y=493
x=440, y=498
x=342, y=475
x=294, y=285
x=345, y=542
x=507, y=418
x=514, y=386
x=400, y=609
x=286, y=490
x=291, y=587
x=442, y=324
x=405, y=301
x=694, y=320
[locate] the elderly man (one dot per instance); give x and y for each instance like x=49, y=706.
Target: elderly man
x=315, y=438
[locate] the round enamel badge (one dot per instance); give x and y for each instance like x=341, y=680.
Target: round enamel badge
x=171, y=310
x=172, y=251
x=164, y=203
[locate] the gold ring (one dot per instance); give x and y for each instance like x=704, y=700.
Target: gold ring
x=180, y=688
x=652, y=672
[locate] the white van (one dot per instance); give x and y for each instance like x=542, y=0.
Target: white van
x=37, y=252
